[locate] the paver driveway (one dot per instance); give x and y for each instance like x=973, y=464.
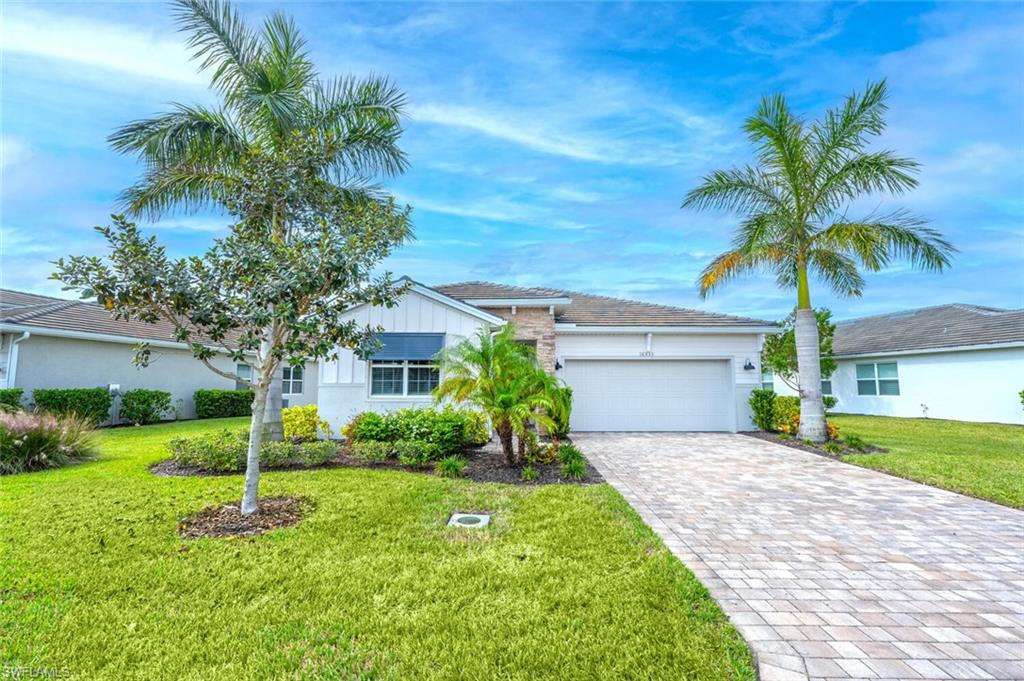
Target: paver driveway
x=831, y=571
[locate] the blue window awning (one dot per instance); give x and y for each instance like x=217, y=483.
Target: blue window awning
x=402, y=346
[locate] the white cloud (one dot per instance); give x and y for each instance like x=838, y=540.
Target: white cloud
x=13, y=150
x=130, y=49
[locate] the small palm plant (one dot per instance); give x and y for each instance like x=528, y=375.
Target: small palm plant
x=500, y=377
x=795, y=200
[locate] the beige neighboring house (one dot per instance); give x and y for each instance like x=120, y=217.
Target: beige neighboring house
x=50, y=342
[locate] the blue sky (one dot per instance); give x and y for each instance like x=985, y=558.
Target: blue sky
x=551, y=144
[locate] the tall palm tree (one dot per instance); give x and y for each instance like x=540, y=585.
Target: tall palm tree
x=270, y=92
x=499, y=376
x=794, y=203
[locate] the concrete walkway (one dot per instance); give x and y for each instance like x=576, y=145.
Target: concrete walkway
x=831, y=571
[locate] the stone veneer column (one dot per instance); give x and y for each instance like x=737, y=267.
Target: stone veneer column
x=533, y=324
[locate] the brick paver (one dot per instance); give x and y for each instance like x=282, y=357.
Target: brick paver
x=831, y=571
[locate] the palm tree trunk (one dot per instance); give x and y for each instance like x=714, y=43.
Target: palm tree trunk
x=808, y=361
x=505, y=437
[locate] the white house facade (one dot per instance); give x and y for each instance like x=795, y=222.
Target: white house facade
x=632, y=366
x=957, y=362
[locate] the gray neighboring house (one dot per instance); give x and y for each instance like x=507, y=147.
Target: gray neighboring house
x=957, y=361
x=50, y=342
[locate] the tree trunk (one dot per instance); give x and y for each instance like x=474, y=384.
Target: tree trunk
x=808, y=360
x=521, y=451
x=273, y=424
x=252, y=457
x=505, y=437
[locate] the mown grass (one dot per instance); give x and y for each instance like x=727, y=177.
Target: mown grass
x=984, y=460
x=568, y=583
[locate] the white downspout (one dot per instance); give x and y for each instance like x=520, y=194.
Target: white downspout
x=12, y=358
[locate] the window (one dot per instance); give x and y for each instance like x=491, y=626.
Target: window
x=403, y=377
x=878, y=378
x=767, y=380
x=244, y=371
x=826, y=386
x=292, y=381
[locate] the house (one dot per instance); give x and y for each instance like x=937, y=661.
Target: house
x=633, y=366
x=55, y=343
x=961, y=362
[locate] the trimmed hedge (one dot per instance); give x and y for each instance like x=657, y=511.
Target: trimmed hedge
x=762, y=403
x=449, y=430
x=91, y=404
x=10, y=399
x=218, y=404
x=225, y=451
x=141, y=406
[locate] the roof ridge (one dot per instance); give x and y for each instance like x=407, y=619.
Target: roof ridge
x=964, y=306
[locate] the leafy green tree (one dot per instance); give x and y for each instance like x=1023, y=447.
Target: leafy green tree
x=500, y=377
x=779, y=351
x=269, y=89
x=258, y=295
x=795, y=202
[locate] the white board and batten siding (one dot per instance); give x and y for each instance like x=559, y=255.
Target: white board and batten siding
x=344, y=382
x=674, y=382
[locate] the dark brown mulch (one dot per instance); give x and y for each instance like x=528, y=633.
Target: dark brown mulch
x=794, y=443
x=226, y=520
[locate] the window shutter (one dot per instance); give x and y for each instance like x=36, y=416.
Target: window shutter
x=402, y=346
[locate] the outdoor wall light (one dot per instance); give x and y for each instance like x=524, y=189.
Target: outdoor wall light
x=558, y=365
x=749, y=366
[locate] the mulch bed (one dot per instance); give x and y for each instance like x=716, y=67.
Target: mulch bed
x=169, y=469
x=483, y=464
x=226, y=520
x=794, y=443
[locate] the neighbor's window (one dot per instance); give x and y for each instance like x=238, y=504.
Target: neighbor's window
x=767, y=379
x=403, y=377
x=292, y=381
x=244, y=371
x=878, y=378
x=826, y=386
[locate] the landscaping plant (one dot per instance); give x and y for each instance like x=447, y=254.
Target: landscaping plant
x=219, y=404
x=372, y=451
x=762, y=403
x=34, y=441
x=574, y=469
x=303, y=423
x=10, y=399
x=91, y=404
x=529, y=473
x=142, y=407
x=795, y=204
x=450, y=467
x=226, y=451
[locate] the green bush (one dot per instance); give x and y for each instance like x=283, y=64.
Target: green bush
x=529, y=473
x=478, y=428
x=372, y=451
x=219, y=404
x=568, y=452
x=303, y=424
x=416, y=452
x=447, y=430
x=141, y=406
x=92, y=404
x=368, y=426
x=574, y=469
x=10, y=399
x=855, y=442
x=829, y=401
x=32, y=442
x=762, y=403
x=832, y=447
x=450, y=467
x=787, y=413
x=225, y=451
x=562, y=399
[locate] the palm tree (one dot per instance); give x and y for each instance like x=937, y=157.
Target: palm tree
x=270, y=93
x=499, y=376
x=794, y=203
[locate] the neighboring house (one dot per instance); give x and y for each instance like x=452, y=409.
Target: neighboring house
x=632, y=366
x=961, y=362
x=55, y=343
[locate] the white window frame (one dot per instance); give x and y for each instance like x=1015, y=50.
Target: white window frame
x=830, y=388
x=877, y=380
x=770, y=383
x=244, y=371
x=405, y=365
x=288, y=380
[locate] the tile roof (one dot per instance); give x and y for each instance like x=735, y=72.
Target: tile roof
x=942, y=326
x=45, y=312
x=591, y=310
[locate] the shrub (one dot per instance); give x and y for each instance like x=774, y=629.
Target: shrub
x=92, y=404
x=829, y=401
x=529, y=473
x=832, y=447
x=855, y=442
x=833, y=431
x=575, y=469
x=787, y=413
x=32, y=442
x=141, y=406
x=450, y=467
x=416, y=452
x=446, y=429
x=303, y=424
x=225, y=451
x=317, y=453
x=372, y=451
x=568, y=452
x=562, y=399
x=762, y=403
x=368, y=426
x=542, y=453
x=10, y=399
x=218, y=404
x=447, y=432
x=478, y=428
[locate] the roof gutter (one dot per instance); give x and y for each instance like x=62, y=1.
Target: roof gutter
x=101, y=337
x=934, y=351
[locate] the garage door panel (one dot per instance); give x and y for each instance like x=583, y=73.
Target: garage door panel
x=654, y=395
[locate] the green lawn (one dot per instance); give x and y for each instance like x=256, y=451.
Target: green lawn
x=984, y=460
x=567, y=584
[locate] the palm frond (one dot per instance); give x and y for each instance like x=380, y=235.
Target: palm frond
x=880, y=171
x=219, y=38
x=836, y=270
x=845, y=130
x=781, y=142
x=189, y=134
x=728, y=265
x=186, y=188
x=741, y=190
x=877, y=241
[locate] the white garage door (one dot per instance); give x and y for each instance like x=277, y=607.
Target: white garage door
x=653, y=395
